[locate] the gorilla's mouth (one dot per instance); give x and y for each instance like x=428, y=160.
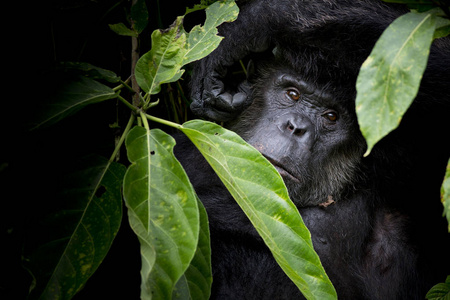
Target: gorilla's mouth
x=282, y=170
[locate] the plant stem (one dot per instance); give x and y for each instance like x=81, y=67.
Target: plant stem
x=144, y=120
x=124, y=84
x=162, y=121
x=122, y=138
x=128, y=104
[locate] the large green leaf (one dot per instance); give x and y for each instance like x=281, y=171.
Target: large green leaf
x=260, y=192
x=174, y=48
x=75, y=240
x=390, y=77
x=162, y=210
x=196, y=281
x=70, y=97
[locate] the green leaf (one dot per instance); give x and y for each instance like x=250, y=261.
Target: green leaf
x=442, y=27
x=390, y=77
x=196, y=281
x=70, y=97
x=440, y=291
x=139, y=16
x=174, y=48
x=162, y=210
x=445, y=194
x=203, y=40
x=90, y=71
x=260, y=192
x=122, y=29
x=163, y=62
x=75, y=240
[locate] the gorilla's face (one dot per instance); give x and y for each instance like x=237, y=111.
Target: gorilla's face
x=310, y=137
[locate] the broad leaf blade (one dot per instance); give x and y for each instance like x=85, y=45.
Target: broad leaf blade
x=203, y=40
x=196, y=281
x=162, y=210
x=163, y=62
x=390, y=77
x=260, y=192
x=70, y=97
x=79, y=237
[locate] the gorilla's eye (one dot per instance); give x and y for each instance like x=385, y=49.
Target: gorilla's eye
x=331, y=116
x=293, y=94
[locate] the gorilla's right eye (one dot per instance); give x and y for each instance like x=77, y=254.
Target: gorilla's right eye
x=293, y=94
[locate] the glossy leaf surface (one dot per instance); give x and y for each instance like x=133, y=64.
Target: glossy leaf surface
x=260, y=192
x=162, y=210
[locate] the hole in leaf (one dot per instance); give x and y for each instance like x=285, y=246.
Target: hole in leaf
x=100, y=191
x=152, y=152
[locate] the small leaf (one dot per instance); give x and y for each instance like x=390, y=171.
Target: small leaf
x=260, y=192
x=74, y=241
x=445, y=194
x=122, y=29
x=442, y=27
x=162, y=210
x=390, y=77
x=90, y=71
x=70, y=97
x=440, y=291
x=139, y=15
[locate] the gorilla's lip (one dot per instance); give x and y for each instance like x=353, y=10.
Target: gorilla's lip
x=281, y=169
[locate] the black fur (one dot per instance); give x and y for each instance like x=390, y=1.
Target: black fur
x=375, y=222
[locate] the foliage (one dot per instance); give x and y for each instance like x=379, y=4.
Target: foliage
x=163, y=209
x=440, y=291
x=390, y=77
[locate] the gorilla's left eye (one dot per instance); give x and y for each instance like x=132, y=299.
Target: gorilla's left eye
x=293, y=94
x=331, y=116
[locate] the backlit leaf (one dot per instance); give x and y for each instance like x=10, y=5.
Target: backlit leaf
x=202, y=40
x=260, y=192
x=162, y=210
x=390, y=77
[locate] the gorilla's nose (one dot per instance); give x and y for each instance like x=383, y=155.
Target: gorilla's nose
x=296, y=125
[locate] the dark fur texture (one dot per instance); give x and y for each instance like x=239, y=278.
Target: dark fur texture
x=375, y=222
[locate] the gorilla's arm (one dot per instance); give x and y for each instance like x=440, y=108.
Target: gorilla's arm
x=264, y=24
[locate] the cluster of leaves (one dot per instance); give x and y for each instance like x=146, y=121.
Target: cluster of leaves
x=163, y=209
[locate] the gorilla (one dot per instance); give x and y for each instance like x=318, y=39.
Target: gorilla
x=376, y=221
